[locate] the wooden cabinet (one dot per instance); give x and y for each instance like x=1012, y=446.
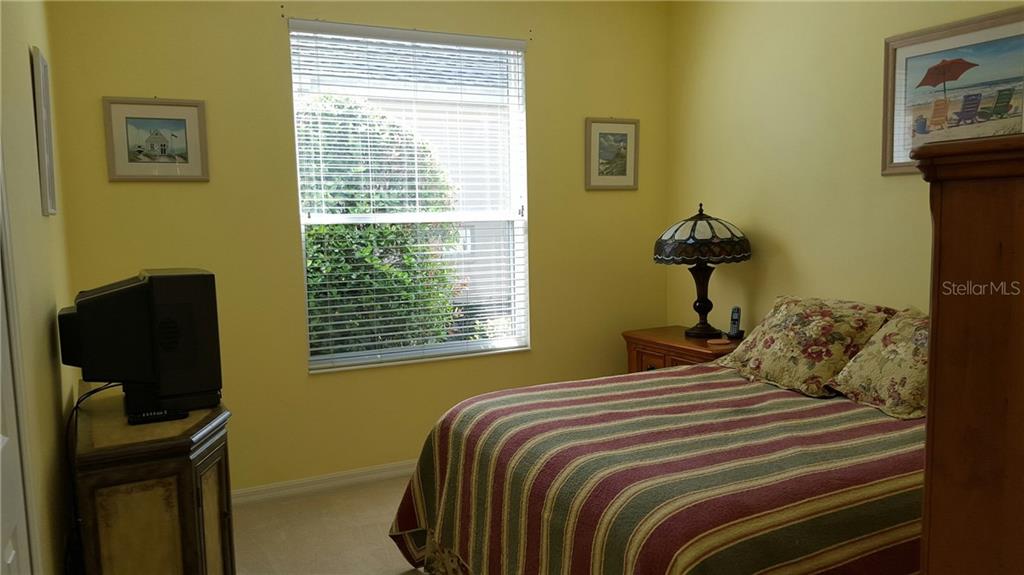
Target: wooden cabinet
x=974, y=470
x=668, y=346
x=153, y=498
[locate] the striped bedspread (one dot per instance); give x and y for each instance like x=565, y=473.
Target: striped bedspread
x=688, y=470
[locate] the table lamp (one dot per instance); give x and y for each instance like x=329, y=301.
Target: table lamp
x=698, y=241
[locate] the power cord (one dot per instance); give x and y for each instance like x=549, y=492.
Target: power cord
x=73, y=550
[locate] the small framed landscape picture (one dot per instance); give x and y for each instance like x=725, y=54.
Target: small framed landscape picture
x=151, y=139
x=612, y=154
x=958, y=81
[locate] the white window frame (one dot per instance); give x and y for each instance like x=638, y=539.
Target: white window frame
x=434, y=352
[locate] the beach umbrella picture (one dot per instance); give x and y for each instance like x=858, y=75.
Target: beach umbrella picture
x=945, y=71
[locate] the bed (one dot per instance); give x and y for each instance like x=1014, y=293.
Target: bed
x=685, y=470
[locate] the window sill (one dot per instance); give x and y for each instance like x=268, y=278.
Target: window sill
x=315, y=370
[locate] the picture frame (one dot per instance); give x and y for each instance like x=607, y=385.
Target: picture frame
x=154, y=139
x=44, y=131
x=952, y=82
x=612, y=154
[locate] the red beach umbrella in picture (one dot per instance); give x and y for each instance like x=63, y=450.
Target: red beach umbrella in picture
x=945, y=71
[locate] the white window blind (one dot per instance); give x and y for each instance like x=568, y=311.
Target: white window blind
x=411, y=151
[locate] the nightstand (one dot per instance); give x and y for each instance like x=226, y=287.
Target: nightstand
x=668, y=346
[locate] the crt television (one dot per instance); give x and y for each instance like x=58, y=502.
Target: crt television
x=156, y=334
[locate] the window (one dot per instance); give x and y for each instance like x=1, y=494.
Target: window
x=411, y=150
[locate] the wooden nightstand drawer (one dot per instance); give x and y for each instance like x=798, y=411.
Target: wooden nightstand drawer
x=667, y=347
x=648, y=360
x=673, y=361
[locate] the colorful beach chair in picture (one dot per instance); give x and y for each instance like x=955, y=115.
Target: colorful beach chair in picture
x=940, y=111
x=1001, y=108
x=968, y=113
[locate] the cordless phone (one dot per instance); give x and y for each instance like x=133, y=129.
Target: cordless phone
x=734, y=325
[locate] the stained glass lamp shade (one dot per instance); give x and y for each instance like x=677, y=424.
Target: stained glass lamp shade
x=700, y=241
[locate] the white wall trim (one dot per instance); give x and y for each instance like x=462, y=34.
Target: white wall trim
x=323, y=482
x=33, y=502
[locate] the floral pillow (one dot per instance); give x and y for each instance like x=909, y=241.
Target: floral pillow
x=891, y=372
x=804, y=343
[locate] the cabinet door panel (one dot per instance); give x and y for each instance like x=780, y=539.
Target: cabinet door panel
x=138, y=518
x=125, y=547
x=215, y=510
x=213, y=539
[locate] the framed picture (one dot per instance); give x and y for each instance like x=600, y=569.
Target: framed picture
x=952, y=82
x=150, y=139
x=612, y=154
x=44, y=132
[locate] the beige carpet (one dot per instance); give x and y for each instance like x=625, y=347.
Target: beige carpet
x=343, y=531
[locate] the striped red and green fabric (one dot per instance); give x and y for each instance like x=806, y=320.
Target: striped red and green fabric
x=689, y=470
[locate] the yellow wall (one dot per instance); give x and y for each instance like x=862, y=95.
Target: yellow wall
x=773, y=120
x=776, y=121
x=40, y=280
x=590, y=269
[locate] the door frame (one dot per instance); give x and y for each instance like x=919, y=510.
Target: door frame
x=29, y=490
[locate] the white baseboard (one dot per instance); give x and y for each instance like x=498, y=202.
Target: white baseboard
x=323, y=482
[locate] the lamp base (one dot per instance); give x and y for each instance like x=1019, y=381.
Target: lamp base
x=703, y=330
x=701, y=273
